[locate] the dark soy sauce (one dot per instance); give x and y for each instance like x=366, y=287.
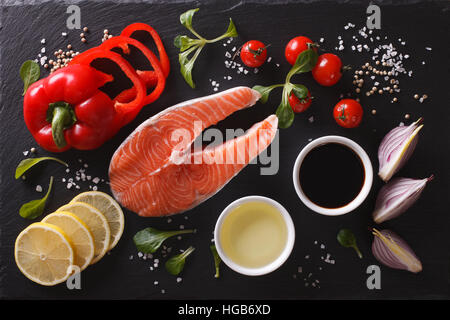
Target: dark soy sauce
x=331, y=175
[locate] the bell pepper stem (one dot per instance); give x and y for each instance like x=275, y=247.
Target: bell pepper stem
x=62, y=117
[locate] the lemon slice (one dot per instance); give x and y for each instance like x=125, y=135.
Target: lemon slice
x=79, y=234
x=110, y=209
x=96, y=223
x=44, y=254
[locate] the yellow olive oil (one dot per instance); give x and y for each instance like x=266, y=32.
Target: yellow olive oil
x=253, y=234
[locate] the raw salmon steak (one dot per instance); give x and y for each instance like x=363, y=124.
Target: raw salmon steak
x=154, y=172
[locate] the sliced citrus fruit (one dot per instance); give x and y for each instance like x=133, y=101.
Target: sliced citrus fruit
x=96, y=223
x=79, y=234
x=44, y=254
x=110, y=209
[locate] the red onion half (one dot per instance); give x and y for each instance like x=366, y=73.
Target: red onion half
x=396, y=148
x=394, y=252
x=397, y=196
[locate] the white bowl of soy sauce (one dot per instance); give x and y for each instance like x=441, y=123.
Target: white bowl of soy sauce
x=332, y=175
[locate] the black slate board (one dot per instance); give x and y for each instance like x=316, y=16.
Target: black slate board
x=425, y=226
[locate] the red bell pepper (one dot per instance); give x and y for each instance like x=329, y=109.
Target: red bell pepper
x=67, y=109
x=150, y=76
x=127, y=109
x=123, y=43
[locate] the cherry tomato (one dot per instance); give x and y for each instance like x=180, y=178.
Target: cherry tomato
x=296, y=46
x=299, y=105
x=328, y=69
x=348, y=113
x=253, y=53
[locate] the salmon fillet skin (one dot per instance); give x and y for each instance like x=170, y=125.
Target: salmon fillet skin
x=155, y=173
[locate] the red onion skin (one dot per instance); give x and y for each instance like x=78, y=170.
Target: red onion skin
x=387, y=257
x=394, y=190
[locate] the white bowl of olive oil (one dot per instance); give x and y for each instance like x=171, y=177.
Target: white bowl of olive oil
x=254, y=235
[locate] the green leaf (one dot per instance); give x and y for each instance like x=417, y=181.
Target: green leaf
x=29, y=73
x=176, y=264
x=150, y=239
x=26, y=164
x=305, y=62
x=231, y=31
x=217, y=260
x=184, y=42
x=186, y=18
x=177, y=42
x=188, y=45
x=300, y=91
x=35, y=208
x=265, y=91
x=347, y=239
x=285, y=115
x=187, y=65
